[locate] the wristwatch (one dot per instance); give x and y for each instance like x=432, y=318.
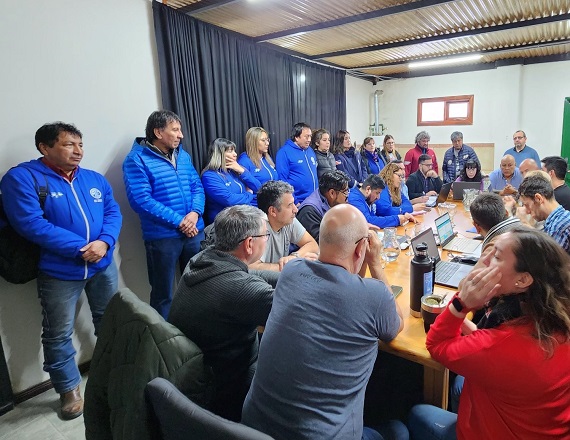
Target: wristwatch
x=459, y=306
x=295, y=254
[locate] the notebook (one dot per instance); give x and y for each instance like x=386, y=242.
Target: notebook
x=458, y=188
x=442, y=197
x=449, y=239
x=446, y=273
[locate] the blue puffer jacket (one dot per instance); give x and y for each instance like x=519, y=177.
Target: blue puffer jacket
x=227, y=189
x=75, y=214
x=159, y=193
x=262, y=174
x=299, y=168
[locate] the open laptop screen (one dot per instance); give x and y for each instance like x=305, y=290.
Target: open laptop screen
x=428, y=238
x=444, y=228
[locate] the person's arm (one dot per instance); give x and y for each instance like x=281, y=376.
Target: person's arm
x=282, y=165
x=415, y=188
x=363, y=161
x=374, y=261
x=308, y=247
x=435, y=165
x=384, y=205
x=215, y=188
x=24, y=213
x=140, y=194
x=406, y=205
x=340, y=165
x=408, y=159
x=446, y=178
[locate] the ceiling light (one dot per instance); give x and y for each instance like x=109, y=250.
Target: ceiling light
x=444, y=61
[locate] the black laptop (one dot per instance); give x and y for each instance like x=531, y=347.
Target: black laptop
x=442, y=197
x=458, y=188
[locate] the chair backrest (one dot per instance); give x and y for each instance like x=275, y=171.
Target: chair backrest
x=179, y=418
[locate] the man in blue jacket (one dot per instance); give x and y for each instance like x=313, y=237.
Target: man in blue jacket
x=455, y=158
x=76, y=231
x=165, y=190
x=297, y=163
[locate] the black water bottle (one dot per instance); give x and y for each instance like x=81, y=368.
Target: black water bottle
x=421, y=278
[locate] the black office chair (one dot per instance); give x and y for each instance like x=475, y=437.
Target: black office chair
x=181, y=419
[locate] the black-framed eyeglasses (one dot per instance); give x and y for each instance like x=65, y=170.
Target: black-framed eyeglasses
x=265, y=140
x=367, y=237
x=266, y=236
x=401, y=176
x=346, y=191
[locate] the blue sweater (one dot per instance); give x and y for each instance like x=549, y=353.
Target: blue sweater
x=227, y=189
x=299, y=168
x=384, y=205
x=264, y=173
x=374, y=165
x=357, y=199
x=159, y=193
x=352, y=163
x=75, y=214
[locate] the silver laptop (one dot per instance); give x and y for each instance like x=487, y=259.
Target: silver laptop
x=458, y=188
x=441, y=197
x=449, y=239
x=446, y=273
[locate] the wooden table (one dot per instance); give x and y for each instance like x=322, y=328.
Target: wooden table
x=411, y=342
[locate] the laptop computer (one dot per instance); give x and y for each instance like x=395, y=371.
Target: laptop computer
x=458, y=188
x=446, y=273
x=449, y=239
x=442, y=197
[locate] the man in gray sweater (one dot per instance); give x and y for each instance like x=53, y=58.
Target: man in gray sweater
x=219, y=304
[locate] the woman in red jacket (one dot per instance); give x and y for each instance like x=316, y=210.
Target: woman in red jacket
x=517, y=375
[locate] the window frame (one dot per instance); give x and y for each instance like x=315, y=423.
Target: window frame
x=447, y=100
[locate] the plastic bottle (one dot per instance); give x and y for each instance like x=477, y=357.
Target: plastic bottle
x=421, y=278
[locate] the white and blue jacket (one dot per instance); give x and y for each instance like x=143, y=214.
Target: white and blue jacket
x=75, y=213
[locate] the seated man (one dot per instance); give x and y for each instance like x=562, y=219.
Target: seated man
x=364, y=199
x=537, y=196
x=275, y=198
x=219, y=305
x=321, y=339
x=425, y=181
x=507, y=178
x=333, y=190
x=557, y=167
x=526, y=166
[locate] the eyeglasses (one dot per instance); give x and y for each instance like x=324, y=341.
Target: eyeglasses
x=265, y=140
x=346, y=192
x=430, y=165
x=266, y=236
x=401, y=176
x=367, y=237
x=517, y=137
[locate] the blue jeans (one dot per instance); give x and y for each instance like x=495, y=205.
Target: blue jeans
x=161, y=258
x=455, y=393
x=427, y=422
x=390, y=430
x=58, y=299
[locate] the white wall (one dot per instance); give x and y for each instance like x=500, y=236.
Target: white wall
x=92, y=64
x=358, y=108
x=509, y=98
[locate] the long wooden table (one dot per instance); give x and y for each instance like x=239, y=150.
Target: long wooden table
x=411, y=342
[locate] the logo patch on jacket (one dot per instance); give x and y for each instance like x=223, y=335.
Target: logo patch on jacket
x=96, y=194
x=313, y=161
x=56, y=195
x=300, y=161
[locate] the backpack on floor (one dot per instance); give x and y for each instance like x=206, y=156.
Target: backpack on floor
x=19, y=258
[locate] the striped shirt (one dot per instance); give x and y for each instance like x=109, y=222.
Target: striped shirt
x=557, y=225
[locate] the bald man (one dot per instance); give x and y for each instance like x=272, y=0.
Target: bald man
x=528, y=165
x=507, y=178
x=321, y=338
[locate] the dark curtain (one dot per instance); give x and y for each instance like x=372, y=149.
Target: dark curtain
x=221, y=84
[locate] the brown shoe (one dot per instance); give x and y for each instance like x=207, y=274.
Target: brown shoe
x=71, y=404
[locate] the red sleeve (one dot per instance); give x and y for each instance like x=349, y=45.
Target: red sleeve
x=408, y=159
x=435, y=165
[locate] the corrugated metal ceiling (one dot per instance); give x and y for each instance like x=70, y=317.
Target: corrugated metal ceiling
x=378, y=37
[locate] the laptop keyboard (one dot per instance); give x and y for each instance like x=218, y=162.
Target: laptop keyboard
x=461, y=243
x=444, y=271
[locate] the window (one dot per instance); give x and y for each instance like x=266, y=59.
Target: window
x=447, y=110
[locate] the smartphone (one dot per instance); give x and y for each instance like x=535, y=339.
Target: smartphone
x=396, y=290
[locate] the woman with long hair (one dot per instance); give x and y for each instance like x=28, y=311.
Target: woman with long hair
x=256, y=158
x=348, y=159
x=321, y=143
x=392, y=201
x=389, y=152
x=226, y=182
x=517, y=375
x=471, y=172
x=374, y=161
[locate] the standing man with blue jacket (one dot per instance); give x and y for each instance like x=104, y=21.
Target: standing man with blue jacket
x=165, y=190
x=297, y=163
x=76, y=230
x=455, y=158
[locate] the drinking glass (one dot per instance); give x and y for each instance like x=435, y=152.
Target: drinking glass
x=410, y=232
x=390, y=245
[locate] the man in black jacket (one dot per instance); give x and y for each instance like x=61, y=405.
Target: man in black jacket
x=425, y=181
x=219, y=304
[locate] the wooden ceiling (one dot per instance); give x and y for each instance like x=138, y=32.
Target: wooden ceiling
x=378, y=39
